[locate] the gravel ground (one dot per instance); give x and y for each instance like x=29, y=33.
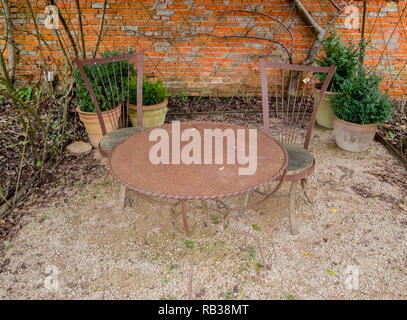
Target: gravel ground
x=352, y=242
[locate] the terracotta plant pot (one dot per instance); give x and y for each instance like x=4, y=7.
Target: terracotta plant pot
x=325, y=115
x=153, y=116
x=353, y=137
x=92, y=125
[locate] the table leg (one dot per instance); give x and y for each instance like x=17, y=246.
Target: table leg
x=204, y=207
x=184, y=218
x=246, y=199
x=122, y=197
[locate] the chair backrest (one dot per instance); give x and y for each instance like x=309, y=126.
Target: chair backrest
x=108, y=82
x=292, y=105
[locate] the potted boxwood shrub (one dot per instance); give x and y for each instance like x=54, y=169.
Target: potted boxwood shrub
x=358, y=108
x=155, y=101
x=85, y=106
x=346, y=59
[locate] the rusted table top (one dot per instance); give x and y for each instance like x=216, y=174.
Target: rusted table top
x=130, y=164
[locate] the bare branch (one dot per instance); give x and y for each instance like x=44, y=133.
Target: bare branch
x=10, y=40
x=102, y=20
x=319, y=32
x=307, y=17
x=78, y=8
x=272, y=18
x=335, y=5
x=66, y=28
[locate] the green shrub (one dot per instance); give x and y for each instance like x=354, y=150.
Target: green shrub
x=345, y=57
x=361, y=101
x=28, y=94
x=107, y=94
x=153, y=92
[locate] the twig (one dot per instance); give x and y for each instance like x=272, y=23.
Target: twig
x=10, y=39
x=316, y=28
x=144, y=238
x=274, y=19
x=21, y=162
x=66, y=28
x=24, y=190
x=245, y=233
x=102, y=20
x=61, y=45
x=191, y=275
x=78, y=8
x=28, y=4
x=392, y=149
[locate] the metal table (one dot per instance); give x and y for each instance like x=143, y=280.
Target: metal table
x=131, y=166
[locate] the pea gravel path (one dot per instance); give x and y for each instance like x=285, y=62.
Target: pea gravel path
x=353, y=233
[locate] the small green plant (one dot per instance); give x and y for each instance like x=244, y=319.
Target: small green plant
x=183, y=96
x=252, y=252
x=78, y=184
x=259, y=266
x=216, y=219
x=254, y=227
x=153, y=92
x=189, y=244
x=7, y=245
x=39, y=163
x=290, y=297
x=344, y=56
x=229, y=295
x=26, y=93
x=361, y=101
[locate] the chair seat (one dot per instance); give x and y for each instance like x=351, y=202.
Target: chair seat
x=299, y=160
x=112, y=139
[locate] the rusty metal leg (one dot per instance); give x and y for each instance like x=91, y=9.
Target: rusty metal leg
x=184, y=218
x=304, y=183
x=204, y=207
x=293, y=221
x=246, y=199
x=122, y=197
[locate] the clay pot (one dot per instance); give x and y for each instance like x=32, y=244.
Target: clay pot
x=153, y=115
x=353, y=137
x=92, y=125
x=325, y=115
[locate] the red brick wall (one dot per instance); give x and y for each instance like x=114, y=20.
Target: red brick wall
x=209, y=46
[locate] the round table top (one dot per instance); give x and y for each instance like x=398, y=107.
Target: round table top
x=130, y=162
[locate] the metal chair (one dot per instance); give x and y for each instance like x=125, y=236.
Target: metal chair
x=294, y=100
x=110, y=95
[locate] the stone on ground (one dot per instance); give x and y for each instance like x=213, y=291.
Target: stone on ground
x=79, y=148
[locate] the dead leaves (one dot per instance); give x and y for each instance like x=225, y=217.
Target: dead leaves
x=366, y=192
